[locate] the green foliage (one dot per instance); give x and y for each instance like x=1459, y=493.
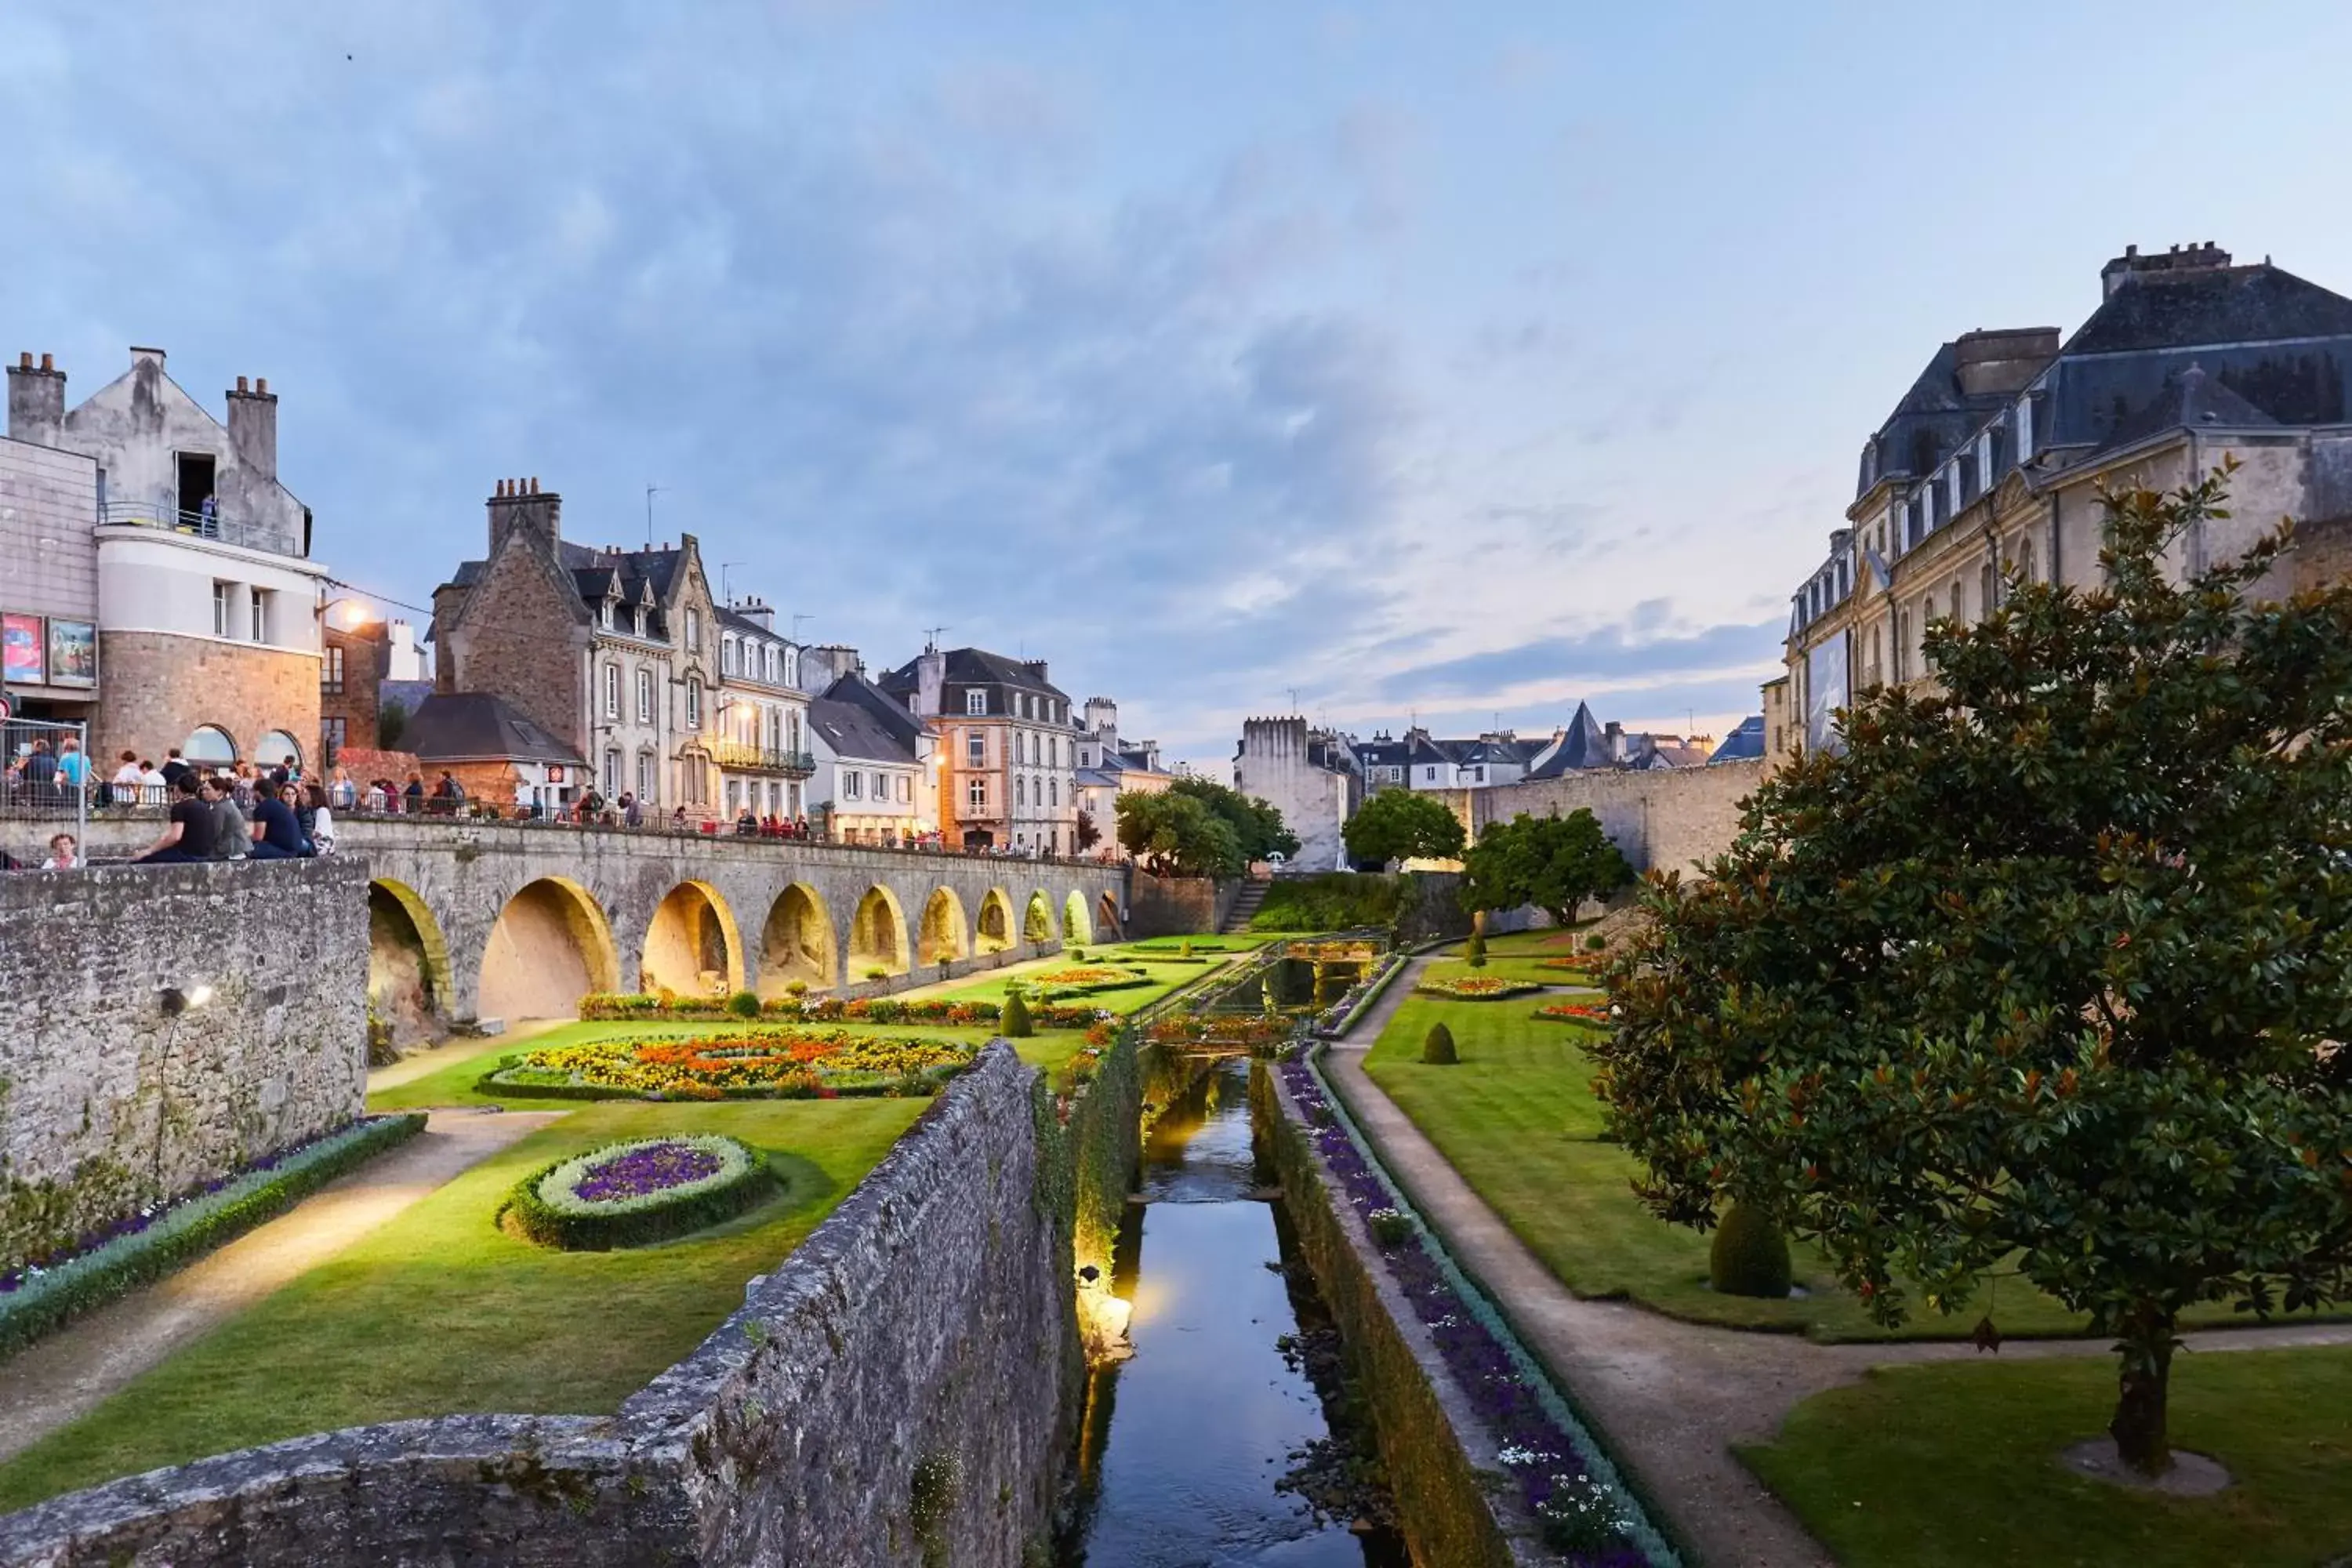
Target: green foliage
x=1750, y=1256
x=1037, y=922
x=1085, y=835
x=2043, y=966
x=1401, y=825
x=1596, y=942
x=1390, y=1227
x=1474, y=951
x=1555, y=863
x=534, y=1220
x=391, y=726
x=930, y=1499
x=68, y=1290
x=1015, y=1024
x=744, y=1003
x=1437, y=1046
x=1258, y=830
x=1332, y=901
x=1173, y=834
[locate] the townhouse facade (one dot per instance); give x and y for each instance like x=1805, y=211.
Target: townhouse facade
x=872, y=757
x=1008, y=752
x=762, y=747
x=1108, y=767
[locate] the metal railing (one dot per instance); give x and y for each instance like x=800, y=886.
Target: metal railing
x=242, y=532
x=47, y=785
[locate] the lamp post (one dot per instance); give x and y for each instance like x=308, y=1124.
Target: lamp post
x=171, y=1001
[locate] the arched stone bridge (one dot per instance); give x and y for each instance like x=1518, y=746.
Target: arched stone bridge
x=477, y=920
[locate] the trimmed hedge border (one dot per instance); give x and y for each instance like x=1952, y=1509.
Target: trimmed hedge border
x=1505, y=990
x=81, y=1284
x=538, y=1221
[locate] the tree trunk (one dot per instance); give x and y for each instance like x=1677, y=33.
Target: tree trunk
x=2139, y=1427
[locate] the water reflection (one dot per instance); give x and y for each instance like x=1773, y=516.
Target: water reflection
x=1183, y=1445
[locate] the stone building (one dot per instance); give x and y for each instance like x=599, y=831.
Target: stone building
x=1109, y=767
x=613, y=653
x=761, y=746
x=871, y=759
x=1993, y=461
x=1009, y=769
x=1310, y=775
x=170, y=598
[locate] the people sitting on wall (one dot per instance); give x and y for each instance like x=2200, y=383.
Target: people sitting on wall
x=319, y=824
x=64, y=854
x=275, y=831
x=233, y=830
x=678, y=820
x=189, y=836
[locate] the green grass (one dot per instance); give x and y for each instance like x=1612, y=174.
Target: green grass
x=439, y=1312
x=1955, y=1465
x=1165, y=977
x=1517, y=956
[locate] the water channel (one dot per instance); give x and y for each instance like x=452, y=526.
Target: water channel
x=1184, y=1445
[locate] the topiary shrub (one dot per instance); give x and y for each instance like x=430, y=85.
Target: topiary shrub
x=1014, y=1025
x=1596, y=942
x=1437, y=1046
x=637, y=1191
x=1749, y=1257
x=744, y=1003
x=1474, y=951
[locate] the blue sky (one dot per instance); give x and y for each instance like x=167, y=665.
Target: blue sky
x=1447, y=362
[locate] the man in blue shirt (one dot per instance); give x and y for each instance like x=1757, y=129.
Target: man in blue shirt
x=277, y=834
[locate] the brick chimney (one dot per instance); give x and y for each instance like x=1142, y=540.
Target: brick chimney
x=930, y=681
x=2131, y=267
x=520, y=503
x=1613, y=733
x=37, y=401
x=253, y=427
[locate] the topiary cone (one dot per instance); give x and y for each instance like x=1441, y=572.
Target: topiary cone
x=1013, y=1022
x=1437, y=1046
x=1750, y=1256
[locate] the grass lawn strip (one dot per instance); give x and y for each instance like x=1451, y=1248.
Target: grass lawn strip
x=439, y=1312
x=1954, y=1465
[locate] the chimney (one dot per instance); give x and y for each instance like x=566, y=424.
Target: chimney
x=2131, y=267
x=930, y=681
x=520, y=503
x=253, y=427
x=1035, y=667
x=37, y=401
x=1613, y=733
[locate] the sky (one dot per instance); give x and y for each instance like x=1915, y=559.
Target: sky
x=1380, y=362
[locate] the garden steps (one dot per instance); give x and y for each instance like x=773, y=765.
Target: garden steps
x=1246, y=905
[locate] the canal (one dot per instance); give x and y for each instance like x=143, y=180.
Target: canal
x=1200, y=1451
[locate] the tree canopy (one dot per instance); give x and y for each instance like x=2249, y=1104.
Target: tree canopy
x=1258, y=830
x=1399, y=825
x=2046, y=972
x=1172, y=833
x=1555, y=863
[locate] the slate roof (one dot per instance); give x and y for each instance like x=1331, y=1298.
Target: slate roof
x=855, y=691
x=975, y=666
x=476, y=726
x=851, y=732
x=2210, y=305
x=1743, y=743
x=1584, y=745
x=2191, y=398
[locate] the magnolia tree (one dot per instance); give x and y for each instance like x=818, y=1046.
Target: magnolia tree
x=2045, y=972
x=1555, y=863
x=1399, y=825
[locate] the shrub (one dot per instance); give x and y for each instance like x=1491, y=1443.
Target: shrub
x=1474, y=951
x=1334, y=900
x=1015, y=1023
x=744, y=1003
x=1186, y=951
x=1596, y=942
x=549, y=1207
x=877, y=974
x=1437, y=1046
x=1477, y=988
x=1750, y=1256
x=797, y=989
x=1390, y=1227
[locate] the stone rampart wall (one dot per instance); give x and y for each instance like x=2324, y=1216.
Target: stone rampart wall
x=920, y=1341
x=1178, y=906
x=1669, y=819
x=106, y=1101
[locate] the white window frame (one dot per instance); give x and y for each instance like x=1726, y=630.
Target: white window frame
x=852, y=782
x=693, y=703
x=611, y=692
x=975, y=794
x=258, y=612
x=644, y=695
x=975, y=704
x=220, y=609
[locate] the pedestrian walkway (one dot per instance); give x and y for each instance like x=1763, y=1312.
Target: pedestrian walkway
x=1671, y=1398
x=62, y=1378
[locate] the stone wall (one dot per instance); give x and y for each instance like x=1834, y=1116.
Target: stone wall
x=2323, y=553
x=923, y=1331
x=1178, y=906
x=161, y=687
x=105, y=1101
x=1669, y=819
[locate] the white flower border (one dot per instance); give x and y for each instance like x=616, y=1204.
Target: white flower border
x=555, y=1188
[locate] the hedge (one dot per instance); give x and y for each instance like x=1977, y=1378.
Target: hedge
x=536, y=1220
x=45, y=1300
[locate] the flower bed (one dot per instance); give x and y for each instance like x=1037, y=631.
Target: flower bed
x=1340, y=1017
x=146, y=1246
x=755, y=1065
x=609, y=1007
x=644, y=1190
x=1593, y=1012
x=1477, y=988
x=1246, y=1031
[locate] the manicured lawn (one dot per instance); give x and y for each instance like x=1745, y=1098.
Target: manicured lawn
x=1165, y=977
x=440, y=1312
x=1518, y=955
x=1954, y=1465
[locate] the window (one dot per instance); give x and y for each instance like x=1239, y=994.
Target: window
x=1057, y=758
x=331, y=672
x=1054, y=792
x=734, y=796
x=612, y=691
x=605, y=614
x=975, y=794
x=694, y=631
x=975, y=703
x=768, y=662
x=220, y=609
x=905, y=790
x=331, y=732
x=611, y=774
x=277, y=746
x=727, y=656
x=1020, y=790
x=881, y=787
x=645, y=696
x=975, y=748
x=260, y=601
x=637, y=618
x=693, y=703
x=646, y=772
x=209, y=744
x=851, y=782
x=1429, y=774
x=1020, y=745
x=1086, y=756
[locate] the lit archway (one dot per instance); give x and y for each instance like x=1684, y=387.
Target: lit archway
x=1106, y=919
x=942, y=936
x=994, y=932
x=552, y=946
x=796, y=943
x=691, y=946
x=1077, y=924
x=1038, y=920
x=408, y=965
x=877, y=936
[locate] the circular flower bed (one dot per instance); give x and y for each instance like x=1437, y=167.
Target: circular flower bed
x=644, y=1190
x=1477, y=988
x=809, y=1064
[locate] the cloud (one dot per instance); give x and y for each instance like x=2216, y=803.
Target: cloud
x=1611, y=654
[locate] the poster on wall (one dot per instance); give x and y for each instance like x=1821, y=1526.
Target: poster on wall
x=73, y=653
x=22, y=651
x=1825, y=693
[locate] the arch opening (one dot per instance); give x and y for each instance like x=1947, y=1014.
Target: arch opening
x=1107, y=926
x=1038, y=920
x=796, y=944
x=877, y=936
x=408, y=968
x=1078, y=922
x=691, y=947
x=994, y=932
x=942, y=936
x=550, y=946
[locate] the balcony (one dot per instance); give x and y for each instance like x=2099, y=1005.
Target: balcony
x=228, y=529
x=749, y=758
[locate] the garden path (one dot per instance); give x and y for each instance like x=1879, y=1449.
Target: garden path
x=1671, y=1397
x=426, y=1060
x=63, y=1377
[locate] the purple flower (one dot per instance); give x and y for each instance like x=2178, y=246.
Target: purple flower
x=648, y=1168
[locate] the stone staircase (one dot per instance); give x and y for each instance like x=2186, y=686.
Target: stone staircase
x=1253, y=894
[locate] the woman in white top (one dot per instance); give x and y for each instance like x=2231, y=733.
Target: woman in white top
x=322, y=821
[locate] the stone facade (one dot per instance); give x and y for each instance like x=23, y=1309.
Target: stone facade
x=105, y=1101
x=1669, y=819
x=1308, y=775
x=1180, y=906
x=352, y=664
x=164, y=687
x=925, y=1329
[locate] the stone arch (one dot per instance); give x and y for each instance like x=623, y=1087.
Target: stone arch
x=1037, y=918
x=1106, y=925
x=1077, y=923
x=408, y=963
x=796, y=943
x=691, y=945
x=994, y=934
x=877, y=935
x=942, y=935
x=550, y=946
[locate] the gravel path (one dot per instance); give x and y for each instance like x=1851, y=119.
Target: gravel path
x=1671, y=1397
x=62, y=1378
